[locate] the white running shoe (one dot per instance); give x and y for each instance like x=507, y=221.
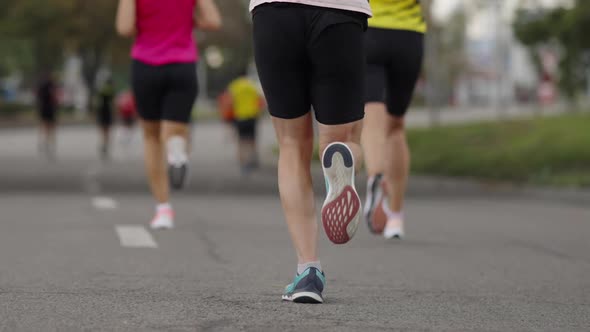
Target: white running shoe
x=394, y=229
x=164, y=219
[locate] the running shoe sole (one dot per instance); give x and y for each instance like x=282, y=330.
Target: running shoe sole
x=395, y=237
x=378, y=218
x=304, y=297
x=341, y=211
x=374, y=214
x=161, y=227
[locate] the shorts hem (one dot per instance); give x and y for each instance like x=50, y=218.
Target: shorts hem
x=289, y=117
x=374, y=100
x=397, y=115
x=342, y=121
x=164, y=119
x=182, y=121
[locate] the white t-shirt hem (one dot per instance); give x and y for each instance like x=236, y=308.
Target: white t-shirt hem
x=321, y=3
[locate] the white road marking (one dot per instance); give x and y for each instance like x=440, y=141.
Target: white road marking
x=104, y=203
x=135, y=236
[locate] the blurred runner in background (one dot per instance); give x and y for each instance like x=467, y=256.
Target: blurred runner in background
x=242, y=104
x=127, y=114
x=394, y=46
x=164, y=83
x=47, y=105
x=104, y=116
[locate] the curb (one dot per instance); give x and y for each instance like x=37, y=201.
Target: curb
x=478, y=188
x=33, y=123
x=130, y=179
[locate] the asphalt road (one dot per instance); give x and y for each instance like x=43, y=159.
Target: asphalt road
x=76, y=255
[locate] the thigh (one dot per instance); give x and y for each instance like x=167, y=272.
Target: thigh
x=151, y=129
x=180, y=92
x=376, y=66
x=279, y=52
x=403, y=71
x=338, y=62
x=148, y=89
x=295, y=131
x=375, y=82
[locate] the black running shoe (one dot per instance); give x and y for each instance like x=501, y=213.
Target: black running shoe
x=178, y=175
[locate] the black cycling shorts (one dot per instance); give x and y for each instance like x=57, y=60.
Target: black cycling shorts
x=246, y=128
x=48, y=113
x=310, y=56
x=104, y=116
x=165, y=92
x=394, y=61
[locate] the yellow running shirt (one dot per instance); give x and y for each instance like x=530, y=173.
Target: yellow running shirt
x=246, y=99
x=397, y=15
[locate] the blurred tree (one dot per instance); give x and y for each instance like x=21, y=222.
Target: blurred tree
x=15, y=56
x=445, y=44
x=29, y=22
x=235, y=41
x=91, y=34
x=567, y=28
x=48, y=29
x=53, y=28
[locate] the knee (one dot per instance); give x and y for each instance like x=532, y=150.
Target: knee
x=296, y=143
x=346, y=133
x=295, y=137
x=151, y=136
x=397, y=125
x=171, y=129
x=300, y=148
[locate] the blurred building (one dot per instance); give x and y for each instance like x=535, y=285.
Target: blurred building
x=500, y=70
x=496, y=69
x=75, y=91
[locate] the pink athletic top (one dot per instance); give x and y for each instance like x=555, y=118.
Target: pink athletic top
x=165, y=32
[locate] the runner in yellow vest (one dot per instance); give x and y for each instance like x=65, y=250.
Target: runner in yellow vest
x=404, y=15
x=247, y=104
x=394, y=46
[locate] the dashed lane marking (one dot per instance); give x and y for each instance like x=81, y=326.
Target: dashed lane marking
x=135, y=236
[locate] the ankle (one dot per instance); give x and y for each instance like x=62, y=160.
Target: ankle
x=163, y=207
x=390, y=213
x=301, y=267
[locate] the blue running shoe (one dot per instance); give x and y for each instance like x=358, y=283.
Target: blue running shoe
x=306, y=288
